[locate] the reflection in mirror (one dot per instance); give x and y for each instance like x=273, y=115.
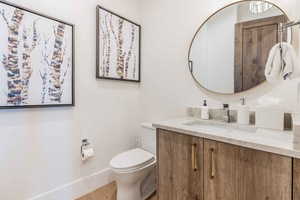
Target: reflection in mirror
x=230, y=50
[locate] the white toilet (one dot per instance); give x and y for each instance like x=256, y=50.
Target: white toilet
x=133, y=166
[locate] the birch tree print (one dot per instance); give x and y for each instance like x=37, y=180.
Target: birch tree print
x=44, y=70
x=129, y=54
x=55, y=81
x=105, y=64
x=55, y=73
x=120, y=50
x=36, y=55
x=11, y=60
x=118, y=54
x=18, y=74
x=27, y=68
x=107, y=46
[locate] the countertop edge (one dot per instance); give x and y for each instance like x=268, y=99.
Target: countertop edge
x=246, y=144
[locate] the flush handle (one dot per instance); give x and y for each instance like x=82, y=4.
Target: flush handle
x=194, y=157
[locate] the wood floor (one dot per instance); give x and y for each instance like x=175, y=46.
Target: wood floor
x=154, y=197
x=108, y=192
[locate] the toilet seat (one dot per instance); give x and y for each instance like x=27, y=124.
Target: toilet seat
x=132, y=160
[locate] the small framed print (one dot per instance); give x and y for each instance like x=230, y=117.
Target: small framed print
x=118, y=47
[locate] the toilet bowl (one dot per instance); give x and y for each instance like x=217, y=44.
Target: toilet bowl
x=130, y=169
x=134, y=169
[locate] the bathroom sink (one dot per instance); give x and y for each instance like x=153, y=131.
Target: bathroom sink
x=222, y=126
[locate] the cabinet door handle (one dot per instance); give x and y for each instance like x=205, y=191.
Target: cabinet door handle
x=194, y=157
x=212, y=164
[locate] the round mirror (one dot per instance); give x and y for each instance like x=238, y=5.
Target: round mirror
x=230, y=49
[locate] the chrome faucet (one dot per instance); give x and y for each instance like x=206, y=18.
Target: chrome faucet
x=226, y=116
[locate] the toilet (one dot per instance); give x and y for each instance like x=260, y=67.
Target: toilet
x=132, y=167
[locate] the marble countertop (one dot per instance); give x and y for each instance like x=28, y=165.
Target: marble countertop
x=278, y=142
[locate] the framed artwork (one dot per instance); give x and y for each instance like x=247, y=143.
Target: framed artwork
x=36, y=59
x=118, y=47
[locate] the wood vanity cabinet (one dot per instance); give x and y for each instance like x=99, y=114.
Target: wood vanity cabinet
x=192, y=168
x=180, y=166
x=296, y=180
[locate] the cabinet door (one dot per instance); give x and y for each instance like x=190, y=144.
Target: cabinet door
x=264, y=176
x=180, y=167
x=296, y=179
x=220, y=171
x=236, y=173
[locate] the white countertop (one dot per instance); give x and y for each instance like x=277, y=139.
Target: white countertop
x=278, y=142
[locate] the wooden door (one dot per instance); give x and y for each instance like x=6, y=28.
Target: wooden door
x=236, y=173
x=296, y=179
x=253, y=42
x=180, y=166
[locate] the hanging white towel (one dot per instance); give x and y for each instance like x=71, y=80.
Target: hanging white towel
x=282, y=63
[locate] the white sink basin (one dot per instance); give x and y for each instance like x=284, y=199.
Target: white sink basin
x=217, y=125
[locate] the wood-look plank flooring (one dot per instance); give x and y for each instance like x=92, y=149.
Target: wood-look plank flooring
x=154, y=197
x=108, y=192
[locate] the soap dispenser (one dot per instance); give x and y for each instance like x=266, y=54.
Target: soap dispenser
x=243, y=117
x=204, y=111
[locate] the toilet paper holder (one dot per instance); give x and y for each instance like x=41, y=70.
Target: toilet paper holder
x=85, y=144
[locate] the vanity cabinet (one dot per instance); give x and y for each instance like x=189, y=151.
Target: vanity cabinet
x=180, y=166
x=192, y=168
x=296, y=180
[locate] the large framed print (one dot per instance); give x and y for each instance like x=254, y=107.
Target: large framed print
x=37, y=59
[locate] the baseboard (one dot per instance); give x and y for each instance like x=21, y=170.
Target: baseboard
x=77, y=188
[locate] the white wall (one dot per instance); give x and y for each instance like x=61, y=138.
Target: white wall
x=39, y=148
x=168, y=28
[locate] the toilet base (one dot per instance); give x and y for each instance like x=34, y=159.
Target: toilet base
x=129, y=184
x=129, y=191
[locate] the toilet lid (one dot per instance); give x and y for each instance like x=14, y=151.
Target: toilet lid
x=132, y=159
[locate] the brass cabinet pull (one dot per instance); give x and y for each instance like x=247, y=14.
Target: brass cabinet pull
x=212, y=165
x=194, y=157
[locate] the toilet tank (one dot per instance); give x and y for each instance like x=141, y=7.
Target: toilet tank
x=148, y=138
